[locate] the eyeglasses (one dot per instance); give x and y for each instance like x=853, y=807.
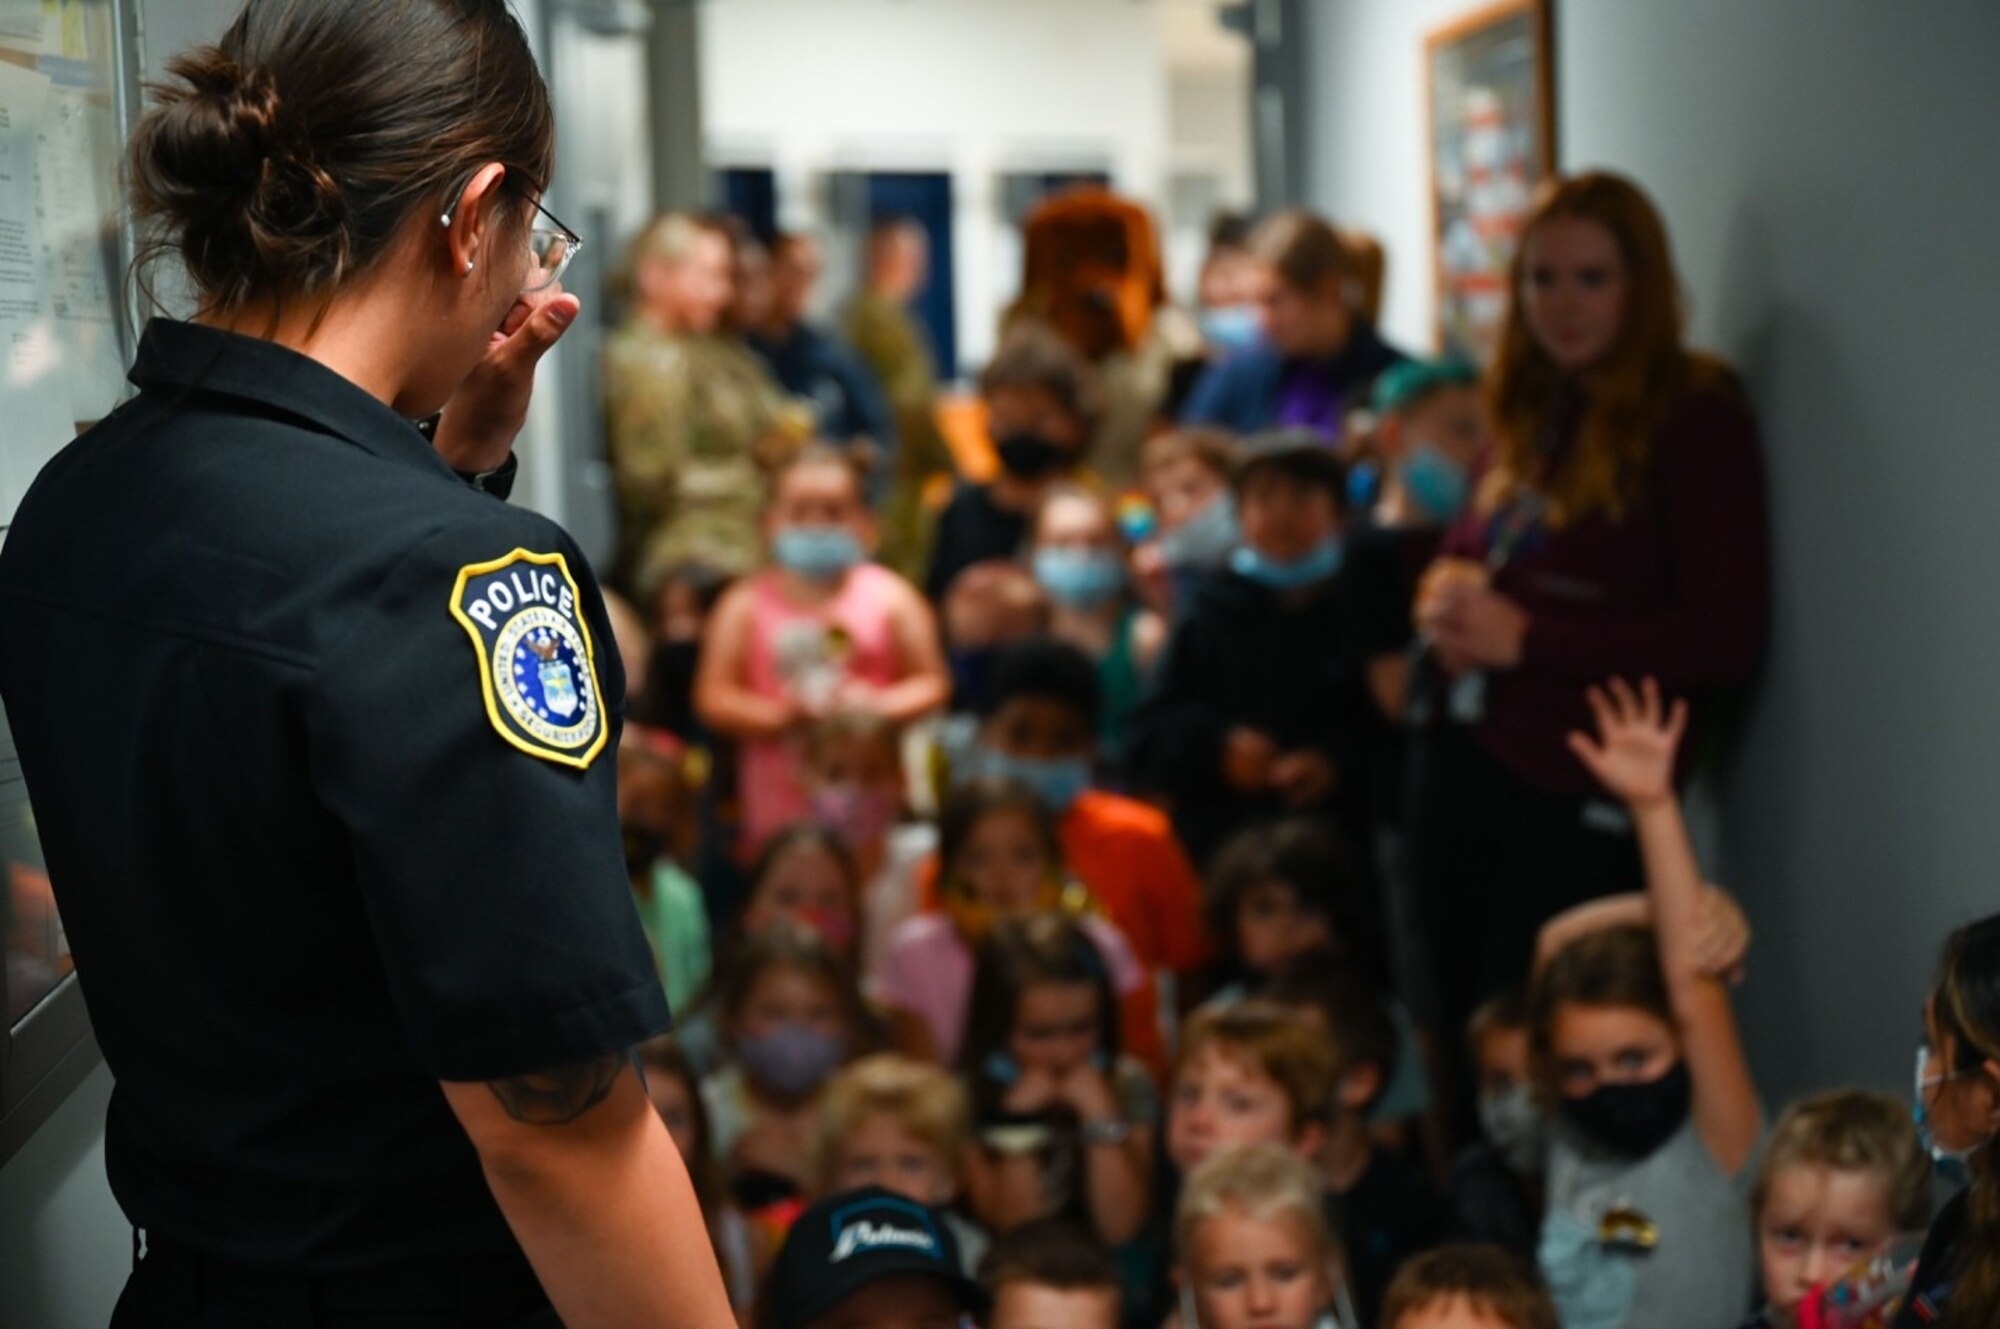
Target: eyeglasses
x=552, y=246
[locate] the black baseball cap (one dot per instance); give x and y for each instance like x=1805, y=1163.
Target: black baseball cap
x=1303, y=455
x=847, y=1241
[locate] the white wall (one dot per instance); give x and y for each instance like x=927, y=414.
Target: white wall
x=970, y=87
x=1825, y=170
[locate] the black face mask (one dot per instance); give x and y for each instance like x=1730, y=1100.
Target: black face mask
x=1633, y=1119
x=1030, y=456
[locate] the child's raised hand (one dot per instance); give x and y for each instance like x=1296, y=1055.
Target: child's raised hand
x=1633, y=753
x=1725, y=936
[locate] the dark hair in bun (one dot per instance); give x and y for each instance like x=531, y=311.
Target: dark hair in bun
x=284, y=160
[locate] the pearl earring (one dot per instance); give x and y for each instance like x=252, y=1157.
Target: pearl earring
x=468, y=265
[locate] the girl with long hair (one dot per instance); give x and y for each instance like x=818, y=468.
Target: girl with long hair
x=1064, y=1123
x=1619, y=530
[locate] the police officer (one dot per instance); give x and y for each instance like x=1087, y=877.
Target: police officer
x=319, y=736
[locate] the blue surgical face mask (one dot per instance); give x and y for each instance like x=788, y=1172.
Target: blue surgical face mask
x=1232, y=327
x=1953, y=1165
x=1282, y=575
x=1079, y=578
x=819, y=553
x=1514, y=1125
x=1204, y=542
x=1057, y=781
x=1435, y=482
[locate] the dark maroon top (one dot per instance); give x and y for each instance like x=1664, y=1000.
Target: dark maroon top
x=1677, y=589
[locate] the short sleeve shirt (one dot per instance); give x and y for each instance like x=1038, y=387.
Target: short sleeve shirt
x=1701, y=1266
x=318, y=742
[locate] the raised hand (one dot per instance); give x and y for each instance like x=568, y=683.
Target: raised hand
x=1632, y=755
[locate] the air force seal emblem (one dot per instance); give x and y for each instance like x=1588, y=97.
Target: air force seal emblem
x=537, y=672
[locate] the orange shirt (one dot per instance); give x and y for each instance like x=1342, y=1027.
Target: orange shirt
x=1126, y=853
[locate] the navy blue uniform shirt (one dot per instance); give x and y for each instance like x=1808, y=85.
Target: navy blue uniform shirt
x=320, y=742
x=847, y=399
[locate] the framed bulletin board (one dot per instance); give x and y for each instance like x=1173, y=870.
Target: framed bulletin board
x=1489, y=90
x=68, y=86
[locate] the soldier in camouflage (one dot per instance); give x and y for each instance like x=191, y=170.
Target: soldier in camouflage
x=695, y=422
x=878, y=325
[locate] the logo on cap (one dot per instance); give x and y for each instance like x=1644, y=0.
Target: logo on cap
x=858, y=1235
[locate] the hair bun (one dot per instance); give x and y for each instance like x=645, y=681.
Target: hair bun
x=299, y=150
x=225, y=163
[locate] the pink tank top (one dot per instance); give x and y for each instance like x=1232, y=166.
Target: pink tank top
x=806, y=652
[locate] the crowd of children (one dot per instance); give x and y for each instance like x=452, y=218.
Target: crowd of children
x=1065, y=968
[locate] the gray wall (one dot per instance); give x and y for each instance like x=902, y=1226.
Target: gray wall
x=1827, y=172
x=64, y=1247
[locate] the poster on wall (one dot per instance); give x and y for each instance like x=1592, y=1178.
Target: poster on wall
x=64, y=338
x=1491, y=101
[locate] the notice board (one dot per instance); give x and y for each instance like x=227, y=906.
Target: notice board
x=68, y=83
x=65, y=331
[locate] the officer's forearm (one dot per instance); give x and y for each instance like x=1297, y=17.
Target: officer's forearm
x=599, y=1200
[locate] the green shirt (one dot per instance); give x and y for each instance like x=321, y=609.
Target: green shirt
x=676, y=922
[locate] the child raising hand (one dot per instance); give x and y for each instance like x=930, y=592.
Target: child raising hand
x=1636, y=1045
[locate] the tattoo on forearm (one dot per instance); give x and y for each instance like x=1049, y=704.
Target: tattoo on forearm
x=558, y=1097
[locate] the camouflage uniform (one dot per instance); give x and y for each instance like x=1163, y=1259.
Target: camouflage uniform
x=890, y=342
x=695, y=426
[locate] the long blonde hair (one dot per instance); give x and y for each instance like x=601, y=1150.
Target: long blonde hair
x=1648, y=367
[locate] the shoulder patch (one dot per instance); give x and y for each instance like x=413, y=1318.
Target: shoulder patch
x=537, y=667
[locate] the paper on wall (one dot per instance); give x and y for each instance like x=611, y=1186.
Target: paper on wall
x=34, y=392
x=21, y=24
x=79, y=215
x=66, y=29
